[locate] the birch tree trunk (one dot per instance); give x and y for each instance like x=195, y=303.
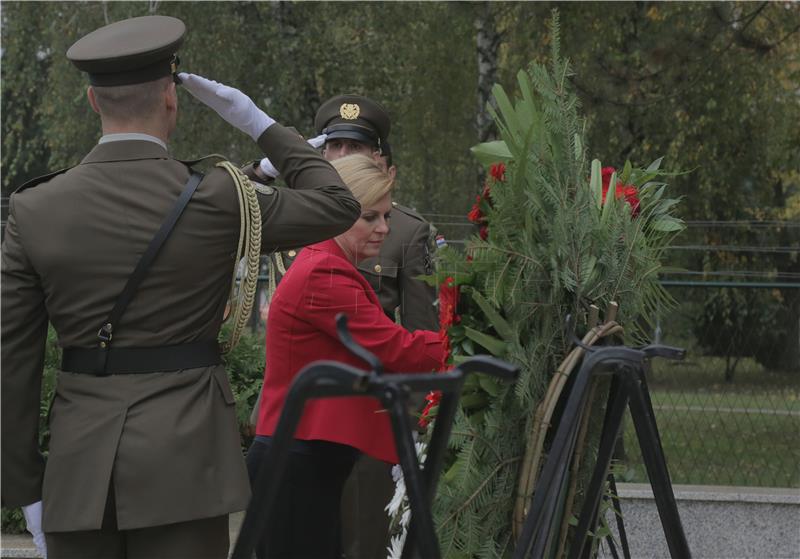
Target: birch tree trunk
x=291, y=44
x=487, y=41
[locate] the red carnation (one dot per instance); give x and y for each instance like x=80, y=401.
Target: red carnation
x=628, y=191
x=498, y=171
x=433, y=399
x=606, y=173
x=632, y=197
x=475, y=215
x=448, y=300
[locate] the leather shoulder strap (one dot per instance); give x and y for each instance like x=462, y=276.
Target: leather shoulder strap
x=106, y=331
x=211, y=158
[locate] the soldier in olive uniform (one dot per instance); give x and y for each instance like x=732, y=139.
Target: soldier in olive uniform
x=356, y=124
x=145, y=459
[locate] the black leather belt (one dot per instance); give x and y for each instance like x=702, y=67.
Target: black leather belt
x=132, y=360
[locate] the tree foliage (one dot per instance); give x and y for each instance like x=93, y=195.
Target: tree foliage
x=712, y=86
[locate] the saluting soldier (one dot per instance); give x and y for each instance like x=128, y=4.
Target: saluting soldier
x=145, y=459
x=357, y=124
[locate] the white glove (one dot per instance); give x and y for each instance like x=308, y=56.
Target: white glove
x=229, y=103
x=33, y=523
x=269, y=169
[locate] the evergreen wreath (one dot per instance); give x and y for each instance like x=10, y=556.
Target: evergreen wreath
x=557, y=234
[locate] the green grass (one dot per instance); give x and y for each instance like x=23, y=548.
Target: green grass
x=708, y=374
x=718, y=433
x=781, y=403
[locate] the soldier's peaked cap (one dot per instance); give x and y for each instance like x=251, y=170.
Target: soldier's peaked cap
x=354, y=117
x=130, y=51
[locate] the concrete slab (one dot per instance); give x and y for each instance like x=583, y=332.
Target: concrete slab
x=719, y=522
x=18, y=546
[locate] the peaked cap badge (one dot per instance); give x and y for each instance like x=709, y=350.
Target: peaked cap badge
x=349, y=111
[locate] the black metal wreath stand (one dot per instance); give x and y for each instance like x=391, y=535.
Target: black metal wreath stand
x=628, y=388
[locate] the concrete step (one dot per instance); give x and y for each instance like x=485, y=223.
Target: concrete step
x=719, y=522
x=18, y=546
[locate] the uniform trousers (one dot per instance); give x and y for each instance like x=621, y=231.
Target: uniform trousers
x=365, y=523
x=205, y=538
x=306, y=522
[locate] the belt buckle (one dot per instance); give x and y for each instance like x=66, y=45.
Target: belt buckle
x=105, y=334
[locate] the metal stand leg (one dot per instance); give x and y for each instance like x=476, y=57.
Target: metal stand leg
x=615, y=409
x=433, y=463
x=421, y=517
x=656, y=465
x=623, y=537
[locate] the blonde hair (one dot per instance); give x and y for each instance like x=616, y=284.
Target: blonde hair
x=365, y=178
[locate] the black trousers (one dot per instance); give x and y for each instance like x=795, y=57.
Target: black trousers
x=307, y=521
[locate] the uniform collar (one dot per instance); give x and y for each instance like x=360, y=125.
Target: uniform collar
x=125, y=150
x=131, y=136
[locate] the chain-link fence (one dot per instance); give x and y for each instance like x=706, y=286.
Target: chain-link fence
x=729, y=414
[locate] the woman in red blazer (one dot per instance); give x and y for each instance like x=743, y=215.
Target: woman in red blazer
x=323, y=282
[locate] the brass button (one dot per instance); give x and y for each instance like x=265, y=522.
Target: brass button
x=378, y=268
x=292, y=253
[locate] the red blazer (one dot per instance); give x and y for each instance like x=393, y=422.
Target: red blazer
x=301, y=328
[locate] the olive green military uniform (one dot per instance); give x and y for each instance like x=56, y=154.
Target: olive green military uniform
x=405, y=255
x=163, y=445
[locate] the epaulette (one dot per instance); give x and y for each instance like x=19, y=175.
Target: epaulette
x=408, y=211
x=212, y=156
x=44, y=178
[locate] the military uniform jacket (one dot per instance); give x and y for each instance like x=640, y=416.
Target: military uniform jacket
x=405, y=254
x=167, y=441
